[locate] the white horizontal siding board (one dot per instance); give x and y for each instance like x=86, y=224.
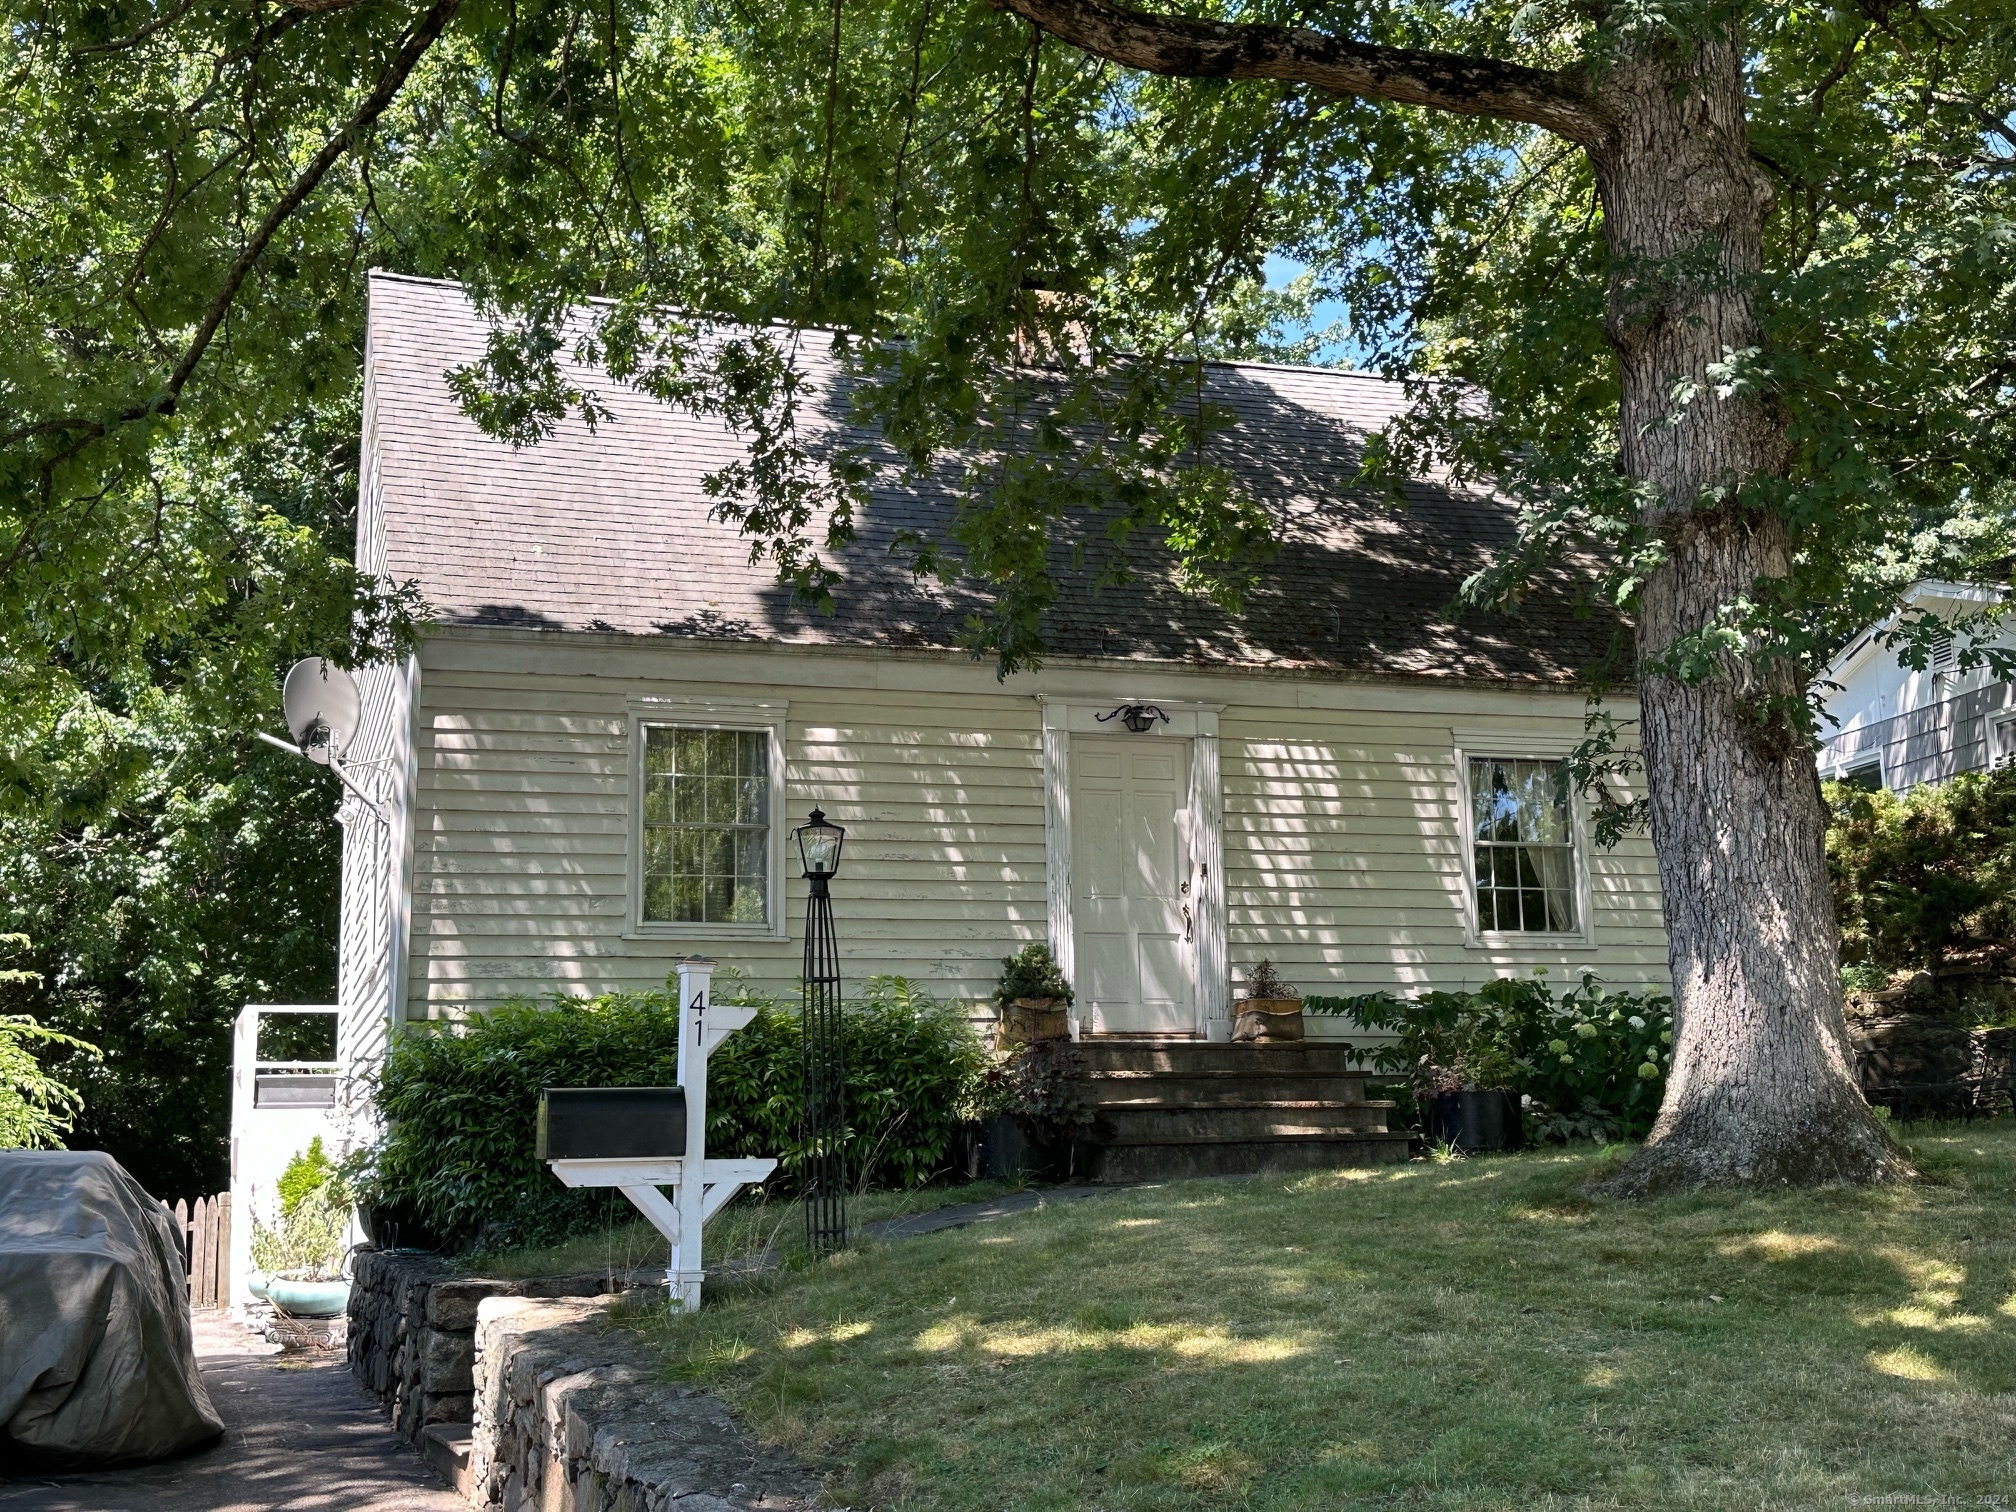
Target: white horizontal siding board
x=938, y=799
x=1340, y=805
x=1345, y=858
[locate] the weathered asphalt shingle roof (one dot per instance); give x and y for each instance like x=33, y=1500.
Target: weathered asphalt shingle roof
x=609, y=531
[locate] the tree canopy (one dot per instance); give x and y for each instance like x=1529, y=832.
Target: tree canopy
x=1026, y=250
x=195, y=190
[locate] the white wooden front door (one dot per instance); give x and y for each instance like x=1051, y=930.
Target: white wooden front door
x=1130, y=872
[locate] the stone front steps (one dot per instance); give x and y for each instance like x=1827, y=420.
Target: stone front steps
x=1172, y=1109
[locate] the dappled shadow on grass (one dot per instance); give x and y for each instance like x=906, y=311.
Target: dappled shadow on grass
x=1472, y=1335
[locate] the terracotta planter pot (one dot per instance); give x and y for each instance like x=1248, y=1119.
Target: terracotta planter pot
x=1261, y=1020
x=1027, y=1021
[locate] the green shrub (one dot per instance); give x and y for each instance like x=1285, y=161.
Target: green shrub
x=1593, y=1063
x=460, y=1102
x=36, y=1109
x=1925, y=877
x=308, y=1243
x=306, y=1175
x=1032, y=973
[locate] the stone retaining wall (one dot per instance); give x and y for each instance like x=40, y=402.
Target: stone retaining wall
x=571, y=1416
x=1908, y=1051
x=412, y=1329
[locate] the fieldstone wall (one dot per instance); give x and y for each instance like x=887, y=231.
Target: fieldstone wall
x=1915, y=1047
x=572, y=1417
x=412, y=1329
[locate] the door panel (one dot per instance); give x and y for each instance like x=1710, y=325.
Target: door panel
x=1106, y=870
x=1128, y=868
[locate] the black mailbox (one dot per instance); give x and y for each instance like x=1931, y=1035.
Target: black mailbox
x=612, y=1123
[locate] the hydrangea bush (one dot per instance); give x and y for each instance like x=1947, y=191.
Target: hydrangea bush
x=1586, y=1064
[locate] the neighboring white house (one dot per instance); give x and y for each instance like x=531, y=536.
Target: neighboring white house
x=596, y=757
x=1888, y=726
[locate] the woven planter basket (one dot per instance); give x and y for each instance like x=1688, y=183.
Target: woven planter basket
x=1028, y=1020
x=1265, y=1020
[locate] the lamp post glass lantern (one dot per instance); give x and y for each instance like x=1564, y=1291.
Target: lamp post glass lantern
x=819, y=843
x=825, y=1062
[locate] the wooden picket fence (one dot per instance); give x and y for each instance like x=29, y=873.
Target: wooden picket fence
x=205, y=1227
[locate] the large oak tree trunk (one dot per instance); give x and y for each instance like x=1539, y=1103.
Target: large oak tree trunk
x=1762, y=1089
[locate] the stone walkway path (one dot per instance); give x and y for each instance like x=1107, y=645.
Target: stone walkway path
x=300, y=1437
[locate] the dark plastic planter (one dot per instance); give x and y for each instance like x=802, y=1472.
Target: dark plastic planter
x=998, y=1151
x=1474, y=1121
x=395, y=1226
x=1005, y=1148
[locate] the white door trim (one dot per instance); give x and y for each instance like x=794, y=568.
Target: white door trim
x=1196, y=723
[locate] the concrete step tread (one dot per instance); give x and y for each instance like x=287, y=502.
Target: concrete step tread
x=1195, y=1049
x=446, y=1447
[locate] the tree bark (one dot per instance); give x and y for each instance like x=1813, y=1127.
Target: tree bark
x=1761, y=1090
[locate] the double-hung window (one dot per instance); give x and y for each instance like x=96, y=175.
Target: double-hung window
x=2002, y=737
x=1522, y=841
x=705, y=840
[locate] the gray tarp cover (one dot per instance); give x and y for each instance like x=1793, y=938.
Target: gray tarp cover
x=96, y=1363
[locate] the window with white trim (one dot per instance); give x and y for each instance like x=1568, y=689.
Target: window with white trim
x=2002, y=738
x=1522, y=839
x=706, y=854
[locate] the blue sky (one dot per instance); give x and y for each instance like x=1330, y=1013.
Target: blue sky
x=1280, y=272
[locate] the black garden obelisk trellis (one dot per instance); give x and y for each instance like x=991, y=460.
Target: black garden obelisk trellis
x=825, y=1055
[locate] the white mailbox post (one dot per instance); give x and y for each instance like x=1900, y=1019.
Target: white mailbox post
x=682, y=1218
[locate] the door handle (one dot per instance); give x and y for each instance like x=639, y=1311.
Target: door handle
x=1187, y=921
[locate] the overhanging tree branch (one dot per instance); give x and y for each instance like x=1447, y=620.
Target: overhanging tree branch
x=411, y=51
x=1182, y=47
x=82, y=431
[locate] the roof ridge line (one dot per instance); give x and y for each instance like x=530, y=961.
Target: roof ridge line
x=1243, y=364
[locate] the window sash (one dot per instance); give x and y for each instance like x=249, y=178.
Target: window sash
x=2001, y=739
x=706, y=825
x=1522, y=840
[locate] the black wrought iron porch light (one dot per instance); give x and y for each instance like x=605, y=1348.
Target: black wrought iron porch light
x=1138, y=718
x=824, y=1054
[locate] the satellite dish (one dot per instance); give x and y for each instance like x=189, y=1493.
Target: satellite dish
x=321, y=703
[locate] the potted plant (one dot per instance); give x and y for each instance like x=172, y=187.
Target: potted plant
x=1033, y=998
x=1473, y=1119
x=302, y=1257
x=1458, y=1051
x=1271, y=1011
x=1035, y=1113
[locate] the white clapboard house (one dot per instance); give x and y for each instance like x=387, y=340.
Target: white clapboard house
x=594, y=761
x=1886, y=725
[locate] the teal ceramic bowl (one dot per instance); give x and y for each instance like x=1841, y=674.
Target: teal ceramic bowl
x=256, y=1284
x=309, y=1299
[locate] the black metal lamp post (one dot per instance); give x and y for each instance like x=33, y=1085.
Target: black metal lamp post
x=825, y=1058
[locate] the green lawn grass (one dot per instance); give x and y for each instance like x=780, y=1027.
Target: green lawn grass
x=1468, y=1335
x=750, y=1224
